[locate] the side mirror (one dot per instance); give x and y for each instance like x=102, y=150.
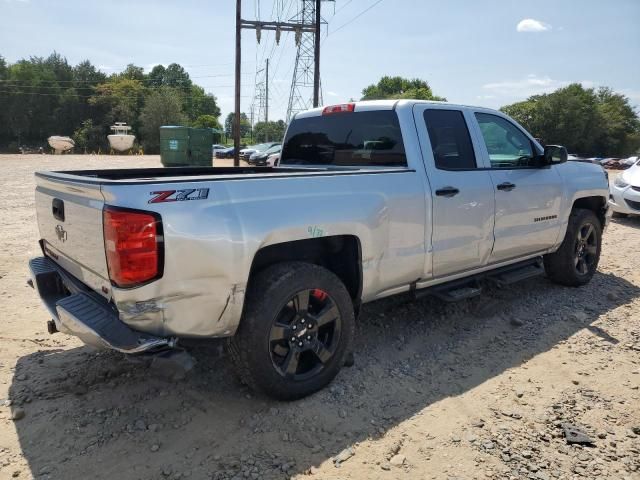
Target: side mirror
x=554, y=154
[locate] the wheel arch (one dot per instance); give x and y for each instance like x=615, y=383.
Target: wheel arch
x=340, y=254
x=596, y=203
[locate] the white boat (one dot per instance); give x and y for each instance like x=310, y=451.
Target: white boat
x=61, y=144
x=121, y=139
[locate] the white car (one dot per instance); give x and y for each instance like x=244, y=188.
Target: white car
x=273, y=160
x=625, y=192
x=217, y=148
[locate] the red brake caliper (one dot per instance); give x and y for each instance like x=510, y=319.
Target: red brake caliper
x=318, y=294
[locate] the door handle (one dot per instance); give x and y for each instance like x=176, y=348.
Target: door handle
x=57, y=208
x=506, y=186
x=447, y=192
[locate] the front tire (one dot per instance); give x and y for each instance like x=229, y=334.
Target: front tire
x=576, y=261
x=296, y=330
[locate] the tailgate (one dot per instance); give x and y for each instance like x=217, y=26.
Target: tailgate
x=70, y=223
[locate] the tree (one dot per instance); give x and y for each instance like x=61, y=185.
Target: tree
x=89, y=137
x=586, y=121
x=198, y=103
x=245, y=126
x=163, y=107
x=207, y=121
x=398, y=87
x=269, y=131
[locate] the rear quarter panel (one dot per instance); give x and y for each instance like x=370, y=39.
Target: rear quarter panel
x=210, y=244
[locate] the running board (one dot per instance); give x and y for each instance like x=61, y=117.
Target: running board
x=509, y=277
x=452, y=292
x=470, y=287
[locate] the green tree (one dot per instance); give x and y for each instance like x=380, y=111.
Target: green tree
x=120, y=99
x=198, y=103
x=206, y=121
x=245, y=125
x=163, y=107
x=399, y=87
x=586, y=121
x=269, y=131
x=89, y=137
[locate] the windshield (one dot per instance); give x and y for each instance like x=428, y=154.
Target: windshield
x=274, y=149
x=370, y=138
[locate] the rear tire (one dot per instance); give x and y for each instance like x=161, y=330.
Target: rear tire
x=297, y=327
x=576, y=261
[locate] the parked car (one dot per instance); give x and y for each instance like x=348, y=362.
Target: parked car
x=226, y=152
x=246, y=153
x=260, y=158
x=370, y=199
x=273, y=160
x=625, y=192
x=216, y=149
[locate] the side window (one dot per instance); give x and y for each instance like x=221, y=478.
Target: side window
x=507, y=145
x=450, y=140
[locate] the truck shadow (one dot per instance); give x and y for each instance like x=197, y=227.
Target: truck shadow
x=96, y=414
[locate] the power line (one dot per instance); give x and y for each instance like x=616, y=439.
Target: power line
x=106, y=81
x=356, y=17
x=13, y=92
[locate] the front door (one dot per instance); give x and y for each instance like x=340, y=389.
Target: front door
x=527, y=196
x=462, y=194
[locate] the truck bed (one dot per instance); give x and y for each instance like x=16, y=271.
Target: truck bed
x=180, y=173
x=198, y=174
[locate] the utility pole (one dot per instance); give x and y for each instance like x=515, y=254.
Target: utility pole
x=266, y=93
x=316, y=54
x=236, y=118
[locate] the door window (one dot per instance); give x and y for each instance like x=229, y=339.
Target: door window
x=450, y=140
x=507, y=145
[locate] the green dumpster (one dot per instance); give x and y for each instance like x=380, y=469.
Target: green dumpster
x=200, y=141
x=174, y=146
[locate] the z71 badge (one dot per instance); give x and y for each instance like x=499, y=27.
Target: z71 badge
x=179, y=195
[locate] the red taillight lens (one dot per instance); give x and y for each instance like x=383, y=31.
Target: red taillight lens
x=133, y=242
x=342, y=108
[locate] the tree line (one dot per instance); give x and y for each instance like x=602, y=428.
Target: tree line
x=40, y=97
x=588, y=121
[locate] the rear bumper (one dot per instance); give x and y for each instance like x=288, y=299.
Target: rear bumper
x=78, y=311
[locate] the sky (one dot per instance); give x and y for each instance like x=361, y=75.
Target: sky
x=478, y=52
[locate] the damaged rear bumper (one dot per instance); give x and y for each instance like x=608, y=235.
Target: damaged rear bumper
x=78, y=311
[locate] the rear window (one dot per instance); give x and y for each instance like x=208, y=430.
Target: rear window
x=358, y=139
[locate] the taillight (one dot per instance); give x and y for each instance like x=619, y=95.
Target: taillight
x=134, y=244
x=342, y=108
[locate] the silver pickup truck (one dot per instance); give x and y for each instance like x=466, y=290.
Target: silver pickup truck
x=370, y=199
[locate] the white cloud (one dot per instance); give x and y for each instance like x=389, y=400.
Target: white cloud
x=530, y=85
x=531, y=25
x=332, y=94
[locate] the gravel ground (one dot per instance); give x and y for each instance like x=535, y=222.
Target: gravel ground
x=478, y=389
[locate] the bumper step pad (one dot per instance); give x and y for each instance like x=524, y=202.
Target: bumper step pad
x=98, y=325
x=85, y=314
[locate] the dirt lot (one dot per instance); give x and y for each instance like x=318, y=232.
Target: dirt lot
x=478, y=389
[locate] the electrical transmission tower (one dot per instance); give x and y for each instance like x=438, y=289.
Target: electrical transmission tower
x=306, y=72
x=262, y=94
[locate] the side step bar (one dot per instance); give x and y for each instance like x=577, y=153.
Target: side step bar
x=517, y=274
x=470, y=287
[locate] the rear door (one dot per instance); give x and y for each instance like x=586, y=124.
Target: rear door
x=462, y=193
x=527, y=196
